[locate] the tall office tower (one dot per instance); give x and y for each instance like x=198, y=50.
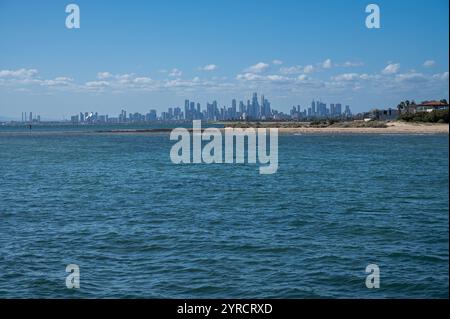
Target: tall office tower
x=31, y=117
x=321, y=109
x=347, y=111
x=313, y=108
x=261, y=110
x=122, y=116
x=298, y=109
x=177, y=113
x=192, y=110
x=255, y=106
x=22, y=116
x=233, y=109
x=199, y=111
x=338, y=109
x=332, y=110
x=153, y=115
x=267, y=109
x=293, y=112
x=215, y=110
x=208, y=111
x=241, y=107
x=186, y=110
x=253, y=103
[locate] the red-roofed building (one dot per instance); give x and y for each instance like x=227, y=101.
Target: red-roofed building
x=429, y=106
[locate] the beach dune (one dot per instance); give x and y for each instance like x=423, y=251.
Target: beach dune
x=396, y=127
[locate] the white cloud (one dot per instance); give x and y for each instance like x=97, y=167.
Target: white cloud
x=429, y=63
x=142, y=80
x=96, y=84
x=366, y=76
x=257, y=68
x=277, y=62
x=327, y=64
x=441, y=76
x=346, y=77
x=20, y=73
x=58, y=81
x=208, y=67
x=349, y=64
x=291, y=69
x=287, y=80
x=391, y=68
x=411, y=77
x=308, y=69
x=248, y=76
x=175, y=72
x=277, y=78
x=103, y=75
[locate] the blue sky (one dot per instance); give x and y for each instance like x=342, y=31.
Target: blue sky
x=154, y=54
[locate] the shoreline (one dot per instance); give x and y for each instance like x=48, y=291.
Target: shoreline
x=396, y=127
x=390, y=128
x=284, y=128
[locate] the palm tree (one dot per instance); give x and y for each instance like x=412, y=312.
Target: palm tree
x=401, y=107
x=407, y=106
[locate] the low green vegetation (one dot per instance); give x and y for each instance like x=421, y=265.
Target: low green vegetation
x=347, y=124
x=436, y=116
x=362, y=124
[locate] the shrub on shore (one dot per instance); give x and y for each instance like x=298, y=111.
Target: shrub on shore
x=436, y=116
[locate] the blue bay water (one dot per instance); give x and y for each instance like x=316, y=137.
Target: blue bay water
x=140, y=226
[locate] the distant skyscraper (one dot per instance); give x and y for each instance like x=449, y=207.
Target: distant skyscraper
x=186, y=110
x=241, y=107
x=338, y=109
x=233, y=109
x=347, y=111
x=254, y=107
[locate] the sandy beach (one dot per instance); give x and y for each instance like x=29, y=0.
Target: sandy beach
x=391, y=128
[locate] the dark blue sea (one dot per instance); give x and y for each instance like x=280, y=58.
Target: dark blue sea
x=140, y=226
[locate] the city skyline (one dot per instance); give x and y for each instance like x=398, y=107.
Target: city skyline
x=253, y=109
x=136, y=56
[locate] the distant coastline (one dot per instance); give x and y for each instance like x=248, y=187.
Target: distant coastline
x=396, y=127
x=284, y=127
x=357, y=127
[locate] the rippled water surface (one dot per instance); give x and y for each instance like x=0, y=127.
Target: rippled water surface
x=140, y=226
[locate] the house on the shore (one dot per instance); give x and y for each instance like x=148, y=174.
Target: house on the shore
x=429, y=106
x=425, y=106
x=381, y=115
